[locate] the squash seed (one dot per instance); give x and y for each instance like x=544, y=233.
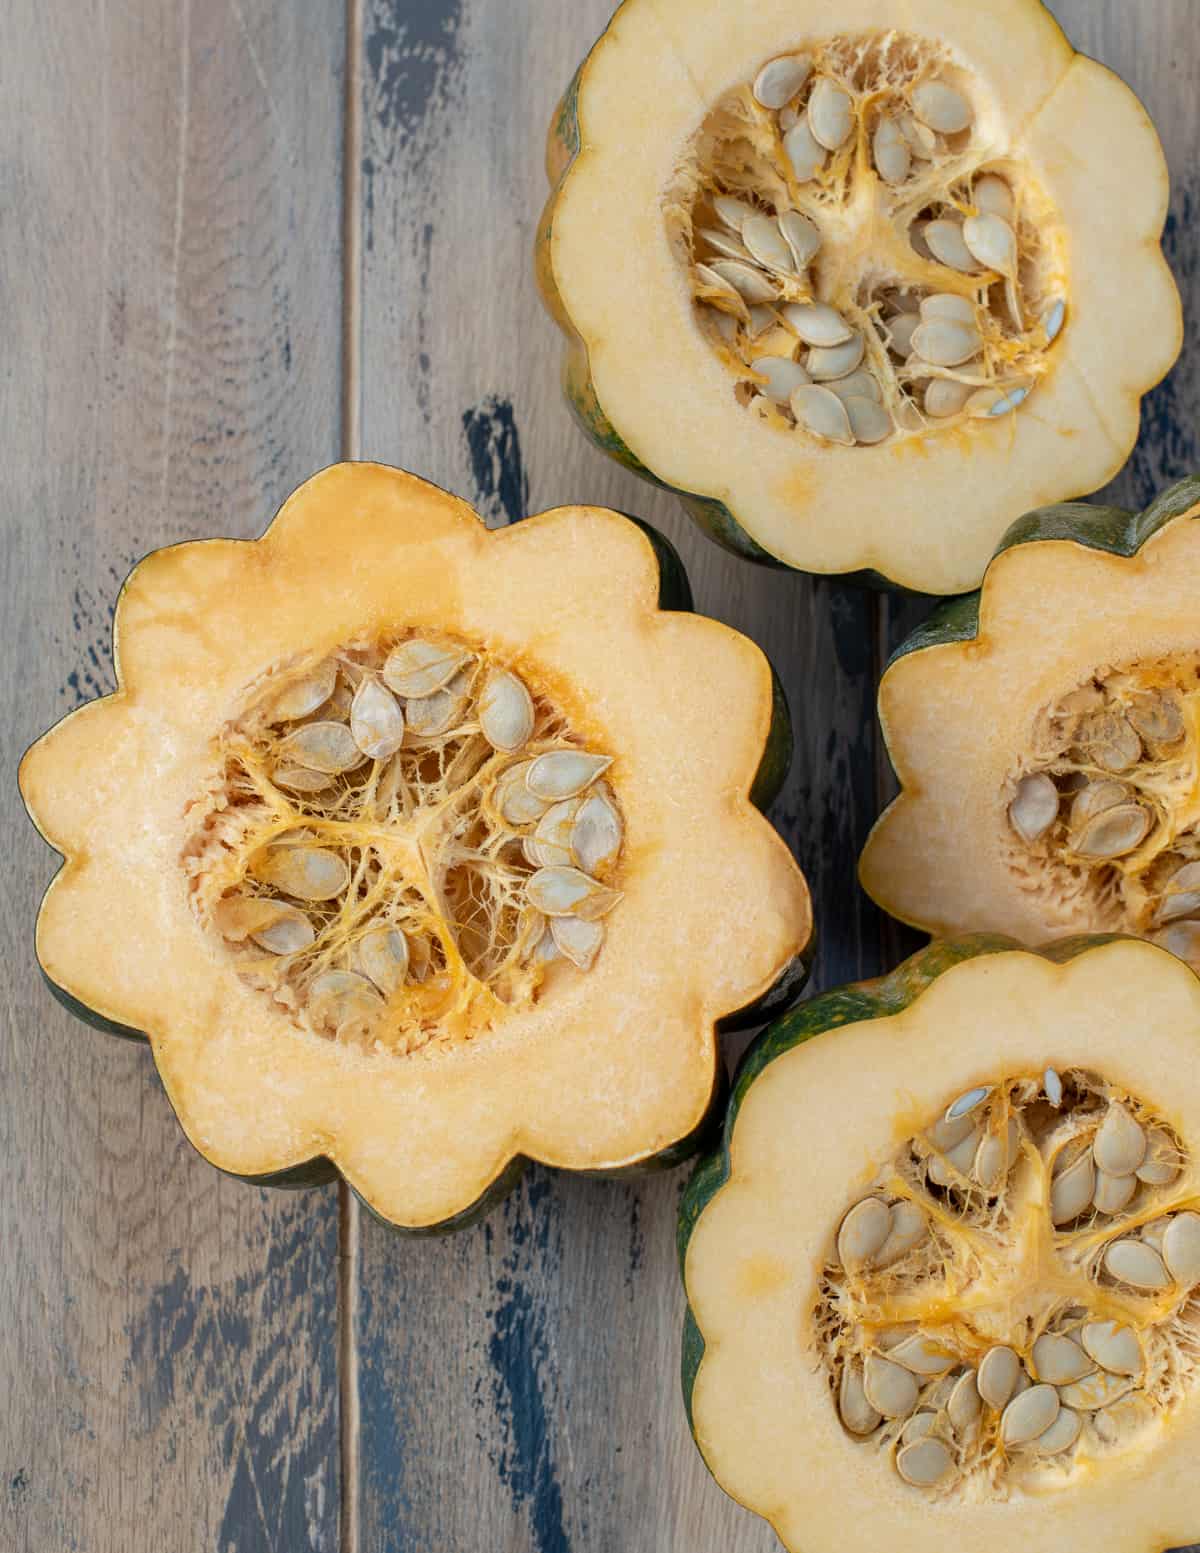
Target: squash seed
x=965, y=1403
x=907, y=1230
x=822, y=413
x=597, y=834
x=817, y=323
x=949, y=305
x=557, y=891
x=830, y=114
x=992, y=242
x=1114, y=1348
x=1096, y=797
x=859, y=385
x=869, y=421
x=997, y=1376
x=993, y=197
x=344, y=997
x=1112, y=1193
x=1034, y=808
x=946, y=1132
x=299, y=779
x=921, y=139
x=1029, y=1415
x=1114, y=833
x=892, y=153
x=945, y=397
x=853, y=1408
x=1053, y=1086
x=308, y=873
x=1156, y=719
x=783, y=377
x=723, y=243
x=1137, y=1264
x=802, y=235
x=806, y=156
x=579, y=940
x=835, y=361
x=922, y=1355
x=863, y=1232
x=564, y=773
x=554, y=834
x=1061, y=1434
x=513, y=799
x=1071, y=1192
x=505, y=710
x=941, y=108
x=1095, y=1391
x=376, y=720
x=890, y=1389
x=420, y=668
x=946, y=243
x=924, y=1463
x=901, y=329
x=1120, y=1145
x=767, y=245
x=944, y=343
x=430, y=716
x=732, y=212
x=780, y=79
x=749, y=282
x=1058, y=1360
x=383, y=957
x=327, y=747
x=1181, y=1249
x=970, y=1101
x=1161, y=1164
x=990, y=403
x=304, y=696
x=918, y=1427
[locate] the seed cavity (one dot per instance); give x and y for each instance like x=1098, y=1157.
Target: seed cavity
x=404, y=841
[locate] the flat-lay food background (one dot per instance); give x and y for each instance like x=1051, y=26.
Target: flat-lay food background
x=244, y=238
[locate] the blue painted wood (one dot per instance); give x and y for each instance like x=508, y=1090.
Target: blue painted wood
x=171, y=281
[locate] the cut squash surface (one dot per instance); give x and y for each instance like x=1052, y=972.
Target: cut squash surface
x=860, y=289
x=406, y=843
x=943, y=1275
x=1046, y=734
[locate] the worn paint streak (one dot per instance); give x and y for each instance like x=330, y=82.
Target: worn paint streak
x=268, y=1394
x=413, y=69
x=497, y=466
x=90, y=640
x=524, y=1377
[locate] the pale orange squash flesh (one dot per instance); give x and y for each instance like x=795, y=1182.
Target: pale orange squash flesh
x=613, y=1068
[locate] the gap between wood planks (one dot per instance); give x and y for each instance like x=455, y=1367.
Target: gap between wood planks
x=349, y=1211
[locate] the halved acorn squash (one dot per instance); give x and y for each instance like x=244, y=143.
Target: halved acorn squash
x=861, y=286
x=943, y=1275
x=1046, y=735
x=416, y=849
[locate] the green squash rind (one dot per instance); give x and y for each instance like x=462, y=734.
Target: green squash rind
x=852, y=1004
x=675, y=594
x=1111, y=529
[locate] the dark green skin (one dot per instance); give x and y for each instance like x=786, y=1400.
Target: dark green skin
x=848, y=1005
x=1094, y=527
x=675, y=593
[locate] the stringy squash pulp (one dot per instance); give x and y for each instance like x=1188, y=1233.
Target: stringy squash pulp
x=407, y=843
x=968, y=1314
x=860, y=293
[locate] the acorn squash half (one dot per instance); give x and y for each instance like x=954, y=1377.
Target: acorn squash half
x=861, y=285
x=416, y=849
x=943, y=1274
x=1046, y=735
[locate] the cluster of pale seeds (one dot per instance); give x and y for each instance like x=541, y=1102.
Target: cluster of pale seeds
x=1021, y=1283
x=1110, y=805
x=952, y=320
x=400, y=838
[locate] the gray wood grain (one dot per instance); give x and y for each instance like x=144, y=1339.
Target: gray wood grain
x=169, y=285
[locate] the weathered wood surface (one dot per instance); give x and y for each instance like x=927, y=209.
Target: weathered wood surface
x=171, y=277
x=176, y=353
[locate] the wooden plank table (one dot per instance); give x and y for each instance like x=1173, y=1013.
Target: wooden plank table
x=243, y=238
